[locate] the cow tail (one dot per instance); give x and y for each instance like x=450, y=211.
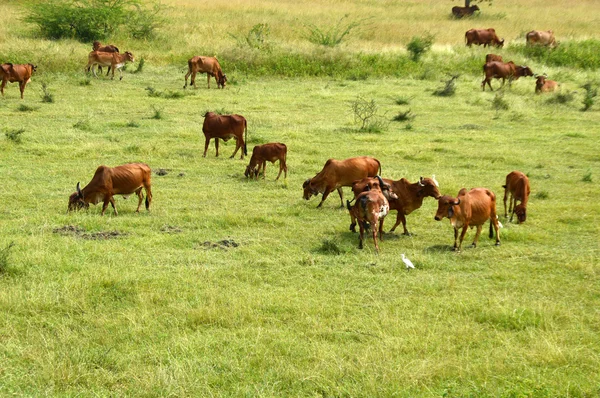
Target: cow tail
x=379, y=167
x=246, y=138
x=147, y=202
x=491, y=229
x=348, y=205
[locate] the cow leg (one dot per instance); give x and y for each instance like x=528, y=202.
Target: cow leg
x=281, y=166
x=140, y=198
x=381, y=227
x=2, y=86
x=341, y=197
x=217, y=146
x=505, y=197
x=494, y=224
x=361, y=234
x=374, y=230
x=264, y=167
x=186, y=77
x=148, y=195
x=108, y=71
x=325, y=194
x=208, y=79
x=112, y=202
x=462, y=236
x=105, y=204
x=479, y=227
x=22, y=87
x=206, y=142
x=455, y=248
x=513, y=205
x=94, y=70
x=237, y=146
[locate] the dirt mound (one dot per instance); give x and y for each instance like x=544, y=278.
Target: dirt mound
x=222, y=244
x=78, y=232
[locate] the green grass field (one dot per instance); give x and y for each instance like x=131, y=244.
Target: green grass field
x=235, y=287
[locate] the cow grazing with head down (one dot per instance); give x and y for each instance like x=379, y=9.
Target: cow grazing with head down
x=16, y=73
x=410, y=197
x=487, y=37
x=267, y=152
x=365, y=185
x=501, y=70
x=114, y=60
x=492, y=58
x=340, y=173
x=544, y=85
x=109, y=181
x=208, y=65
x=225, y=127
x=460, y=12
x=109, y=48
x=540, y=38
x=469, y=209
x=517, y=185
x=370, y=208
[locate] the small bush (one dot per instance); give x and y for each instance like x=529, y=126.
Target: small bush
x=4, y=253
x=46, y=95
x=334, y=35
x=365, y=113
x=86, y=82
x=499, y=103
x=83, y=125
x=449, y=89
x=157, y=113
x=542, y=195
x=152, y=92
x=587, y=177
x=562, y=98
x=140, y=66
x=132, y=124
x=25, y=108
x=402, y=101
x=329, y=247
x=404, y=116
x=257, y=37
x=419, y=46
x=14, y=135
x=590, y=94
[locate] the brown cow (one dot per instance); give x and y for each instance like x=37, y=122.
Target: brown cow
x=340, y=173
x=109, y=181
x=368, y=184
x=208, y=65
x=487, y=37
x=370, y=209
x=109, y=48
x=225, y=127
x=267, y=152
x=501, y=70
x=517, y=185
x=460, y=12
x=469, y=209
x=410, y=197
x=114, y=60
x=16, y=73
x=492, y=58
x=543, y=85
x=540, y=38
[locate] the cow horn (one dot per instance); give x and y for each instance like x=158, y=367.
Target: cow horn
x=456, y=203
x=381, y=183
x=421, y=182
x=79, y=190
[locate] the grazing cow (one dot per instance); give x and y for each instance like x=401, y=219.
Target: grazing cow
x=368, y=184
x=225, y=127
x=540, y=38
x=340, y=173
x=208, y=65
x=109, y=48
x=460, y=12
x=109, y=181
x=410, y=197
x=267, y=152
x=16, y=73
x=492, y=58
x=370, y=209
x=487, y=37
x=469, y=209
x=543, y=85
x=501, y=70
x=114, y=60
x=517, y=185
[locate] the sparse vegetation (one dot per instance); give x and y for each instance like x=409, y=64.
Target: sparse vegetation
x=419, y=45
x=25, y=108
x=257, y=38
x=140, y=66
x=449, y=88
x=499, y=103
x=157, y=113
x=14, y=135
x=587, y=177
x=404, y=116
x=366, y=114
x=562, y=98
x=47, y=96
x=334, y=35
x=589, y=97
x=4, y=253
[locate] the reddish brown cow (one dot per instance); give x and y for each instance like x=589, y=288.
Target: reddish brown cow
x=16, y=73
x=410, y=197
x=540, y=38
x=208, y=65
x=517, y=185
x=114, y=60
x=469, y=209
x=365, y=185
x=109, y=181
x=370, y=209
x=501, y=70
x=267, y=152
x=340, y=173
x=492, y=58
x=109, y=48
x=460, y=12
x=487, y=37
x=225, y=127
x=543, y=85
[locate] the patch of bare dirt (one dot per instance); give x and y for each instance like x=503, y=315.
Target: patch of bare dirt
x=222, y=244
x=78, y=232
x=171, y=229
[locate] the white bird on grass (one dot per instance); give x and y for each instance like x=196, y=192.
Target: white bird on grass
x=408, y=263
x=434, y=180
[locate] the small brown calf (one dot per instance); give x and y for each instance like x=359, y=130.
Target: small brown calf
x=271, y=152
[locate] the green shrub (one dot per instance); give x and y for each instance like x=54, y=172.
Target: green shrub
x=562, y=98
x=499, y=103
x=587, y=177
x=419, y=46
x=140, y=66
x=158, y=114
x=25, y=108
x=14, y=135
x=332, y=36
x=257, y=37
x=365, y=114
x=449, y=89
x=583, y=54
x=4, y=258
x=404, y=116
x=590, y=94
x=46, y=95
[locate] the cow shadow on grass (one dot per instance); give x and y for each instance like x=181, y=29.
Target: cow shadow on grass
x=439, y=249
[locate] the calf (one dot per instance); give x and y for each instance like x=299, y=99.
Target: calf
x=340, y=173
x=267, y=152
x=487, y=37
x=114, y=60
x=225, y=127
x=109, y=181
x=460, y=12
x=469, y=209
x=541, y=38
x=369, y=209
x=517, y=185
x=365, y=185
x=208, y=65
x=501, y=70
x=492, y=58
x=543, y=85
x=109, y=48
x=16, y=73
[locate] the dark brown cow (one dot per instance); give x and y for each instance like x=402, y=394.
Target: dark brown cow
x=340, y=173
x=492, y=58
x=540, y=38
x=410, y=197
x=370, y=209
x=543, y=85
x=225, y=127
x=114, y=60
x=109, y=181
x=469, y=209
x=208, y=65
x=368, y=184
x=109, y=48
x=16, y=73
x=501, y=70
x=487, y=37
x=460, y=12
x=267, y=152
x=517, y=185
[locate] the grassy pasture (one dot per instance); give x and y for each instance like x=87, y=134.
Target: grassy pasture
x=232, y=287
